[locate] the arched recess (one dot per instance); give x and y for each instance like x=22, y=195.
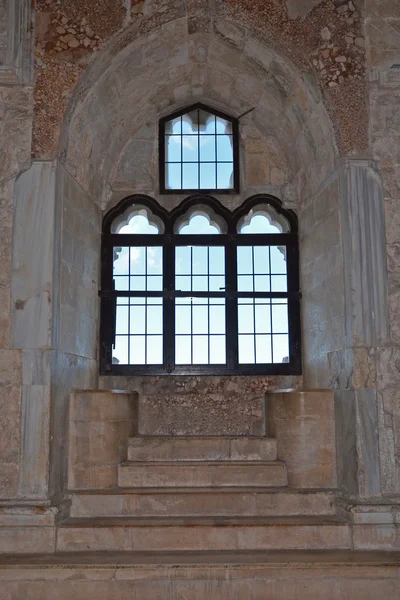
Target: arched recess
x=138, y=79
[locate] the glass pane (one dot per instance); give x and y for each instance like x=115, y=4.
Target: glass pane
x=217, y=283
x=173, y=174
x=200, y=260
x=138, y=320
x=261, y=259
x=224, y=176
x=245, y=283
x=224, y=148
x=137, y=255
x=154, y=260
x=182, y=283
x=137, y=350
x=263, y=318
x=154, y=283
x=279, y=283
x=207, y=148
x=183, y=319
x=121, y=261
x=208, y=176
x=223, y=126
x=121, y=325
x=261, y=283
x=120, y=352
x=246, y=318
x=200, y=349
x=217, y=349
x=200, y=283
x=173, y=148
x=121, y=283
x=280, y=345
x=207, y=122
x=278, y=260
x=263, y=349
x=217, y=260
x=173, y=126
x=244, y=259
x=138, y=283
x=190, y=176
x=246, y=349
x=280, y=318
x=200, y=319
x=154, y=319
x=155, y=350
x=182, y=260
x=217, y=319
x=183, y=351
x=190, y=148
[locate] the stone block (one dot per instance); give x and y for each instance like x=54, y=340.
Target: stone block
x=27, y=540
x=304, y=425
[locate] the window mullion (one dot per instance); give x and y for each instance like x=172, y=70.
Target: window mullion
x=169, y=306
x=231, y=306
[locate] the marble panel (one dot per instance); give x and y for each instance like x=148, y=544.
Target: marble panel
x=345, y=418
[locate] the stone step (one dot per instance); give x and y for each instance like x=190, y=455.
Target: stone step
x=202, y=474
x=202, y=534
x=204, y=502
x=332, y=575
x=148, y=448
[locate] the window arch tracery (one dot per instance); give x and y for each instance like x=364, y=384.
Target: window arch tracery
x=200, y=289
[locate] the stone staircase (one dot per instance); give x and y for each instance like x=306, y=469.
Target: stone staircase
x=202, y=494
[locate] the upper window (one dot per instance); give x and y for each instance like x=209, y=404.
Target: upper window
x=199, y=151
x=200, y=289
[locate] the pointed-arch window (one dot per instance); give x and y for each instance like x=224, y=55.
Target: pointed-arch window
x=200, y=289
x=198, y=150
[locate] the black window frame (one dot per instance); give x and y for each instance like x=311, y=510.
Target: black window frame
x=162, y=156
x=169, y=240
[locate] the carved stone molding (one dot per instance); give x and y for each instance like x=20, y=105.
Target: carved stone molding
x=18, y=66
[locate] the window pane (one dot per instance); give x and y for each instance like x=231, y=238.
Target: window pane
x=190, y=147
x=217, y=260
x=261, y=259
x=200, y=349
x=246, y=349
x=200, y=319
x=183, y=284
x=173, y=148
x=138, y=319
x=138, y=283
x=183, y=319
x=207, y=122
x=200, y=260
x=173, y=174
x=121, y=261
x=155, y=350
x=121, y=325
x=245, y=260
x=223, y=126
x=246, y=318
x=190, y=122
x=217, y=349
x=182, y=260
x=121, y=283
x=154, y=260
x=224, y=148
x=263, y=349
x=154, y=283
x=207, y=148
x=263, y=318
x=217, y=319
x=120, y=352
x=279, y=283
x=280, y=345
x=224, y=176
x=190, y=176
x=174, y=126
x=200, y=283
x=137, y=350
x=278, y=260
x=208, y=176
x=262, y=283
x=217, y=283
x=280, y=318
x=245, y=283
x=154, y=319
x=183, y=351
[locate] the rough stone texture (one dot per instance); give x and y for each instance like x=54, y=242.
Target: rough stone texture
x=3, y=30
x=201, y=405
